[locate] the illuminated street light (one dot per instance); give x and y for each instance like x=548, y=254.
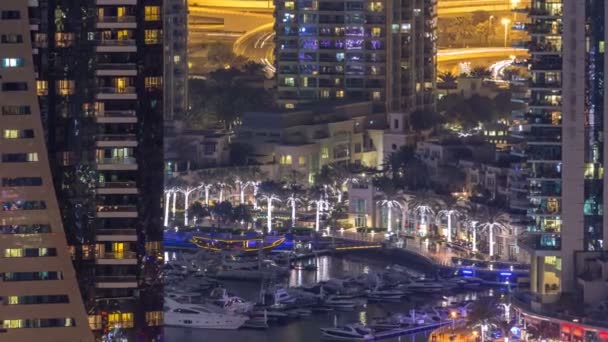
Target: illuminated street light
x=506, y=22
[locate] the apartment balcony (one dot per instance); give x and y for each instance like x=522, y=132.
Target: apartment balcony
x=121, y=163
x=545, y=13
x=116, y=140
x=544, y=29
x=122, y=22
x=543, y=65
x=545, y=104
x=537, y=48
x=116, y=211
x=116, y=93
x=116, y=116
x=116, y=69
x=116, y=234
x=540, y=243
x=116, y=282
x=542, y=85
x=116, y=45
x=116, y=258
x=117, y=188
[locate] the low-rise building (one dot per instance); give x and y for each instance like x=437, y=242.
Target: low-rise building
x=305, y=140
x=187, y=149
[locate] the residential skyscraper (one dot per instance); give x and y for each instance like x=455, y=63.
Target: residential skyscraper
x=39, y=294
x=100, y=85
x=381, y=51
x=566, y=148
x=176, y=58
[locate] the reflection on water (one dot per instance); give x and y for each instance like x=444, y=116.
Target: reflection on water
x=307, y=329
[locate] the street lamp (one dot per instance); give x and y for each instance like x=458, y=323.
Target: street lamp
x=453, y=314
x=506, y=22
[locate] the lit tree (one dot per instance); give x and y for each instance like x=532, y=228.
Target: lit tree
x=168, y=193
x=319, y=204
x=293, y=201
x=472, y=226
x=493, y=222
x=269, y=192
x=390, y=197
x=173, y=185
x=424, y=208
x=448, y=214
x=223, y=184
x=187, y=190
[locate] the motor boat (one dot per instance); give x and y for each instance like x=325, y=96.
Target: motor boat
x=424, y=286
x=229, y=303
x=200, y=316
x=351, y=332
x=342, y=304
x=281, y=296
x=384, y=295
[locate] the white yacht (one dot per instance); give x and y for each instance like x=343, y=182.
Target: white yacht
x=352, y=332
x=424, y=286
x=200, y=316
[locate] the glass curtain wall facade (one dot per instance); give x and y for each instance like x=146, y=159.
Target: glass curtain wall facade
x=359, y=50
x=39, y=294
x=100, y=87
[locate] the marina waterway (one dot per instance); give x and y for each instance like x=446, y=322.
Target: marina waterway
x=308, y=329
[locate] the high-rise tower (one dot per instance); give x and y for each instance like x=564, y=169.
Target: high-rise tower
x=39, y=294
x=100, y=84
x=381, y=51
x=566, y=147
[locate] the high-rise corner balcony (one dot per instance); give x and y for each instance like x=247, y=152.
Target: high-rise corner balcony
x=116, y=282
x=546, y=65
x=545, y=104
x=541, y=48
x=544, y=85
x=540, y=243
x=116, y=234
x=545, y=12
x=117, y=163
x=122, y=22
x=116, y=116
x=116, y=258
x=116, y=140
x=116, y=211
x=116, y=45
x=544, y=29
x=116, y=69
x=116, y=93
x=117, y=188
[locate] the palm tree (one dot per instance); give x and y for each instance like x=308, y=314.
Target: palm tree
x=346, y=174
x=425, y=206
x=480, y=72
x=173, y=185
x=318, y=193
x=269, y=191
x=187, y=190
x=207, y=179
x=448, y=79
x=493, y=221
x=390, y=197
x=198, y=211
x=448, y=214
x=295, y=192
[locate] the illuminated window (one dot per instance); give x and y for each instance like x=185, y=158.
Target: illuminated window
x=122, y=85
x=12, y=62
x=290, y=106
x=65, y=87
x=290, y=81
x=286, y=159
x=42, y=88
x=123, y=34
x=153, y=37
x=153, y=83
x=324, y=94
x=125, y=320
x=324, y=152
x=32, y=157
x=340, y=93
x=376, y=31
x=29, y=252
x=95, y=322
x=302, y=160
x=376, y=95
x=63, y=39
x=289, y=5
x=152, y=13
x=154, y=318
x=11, y=134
